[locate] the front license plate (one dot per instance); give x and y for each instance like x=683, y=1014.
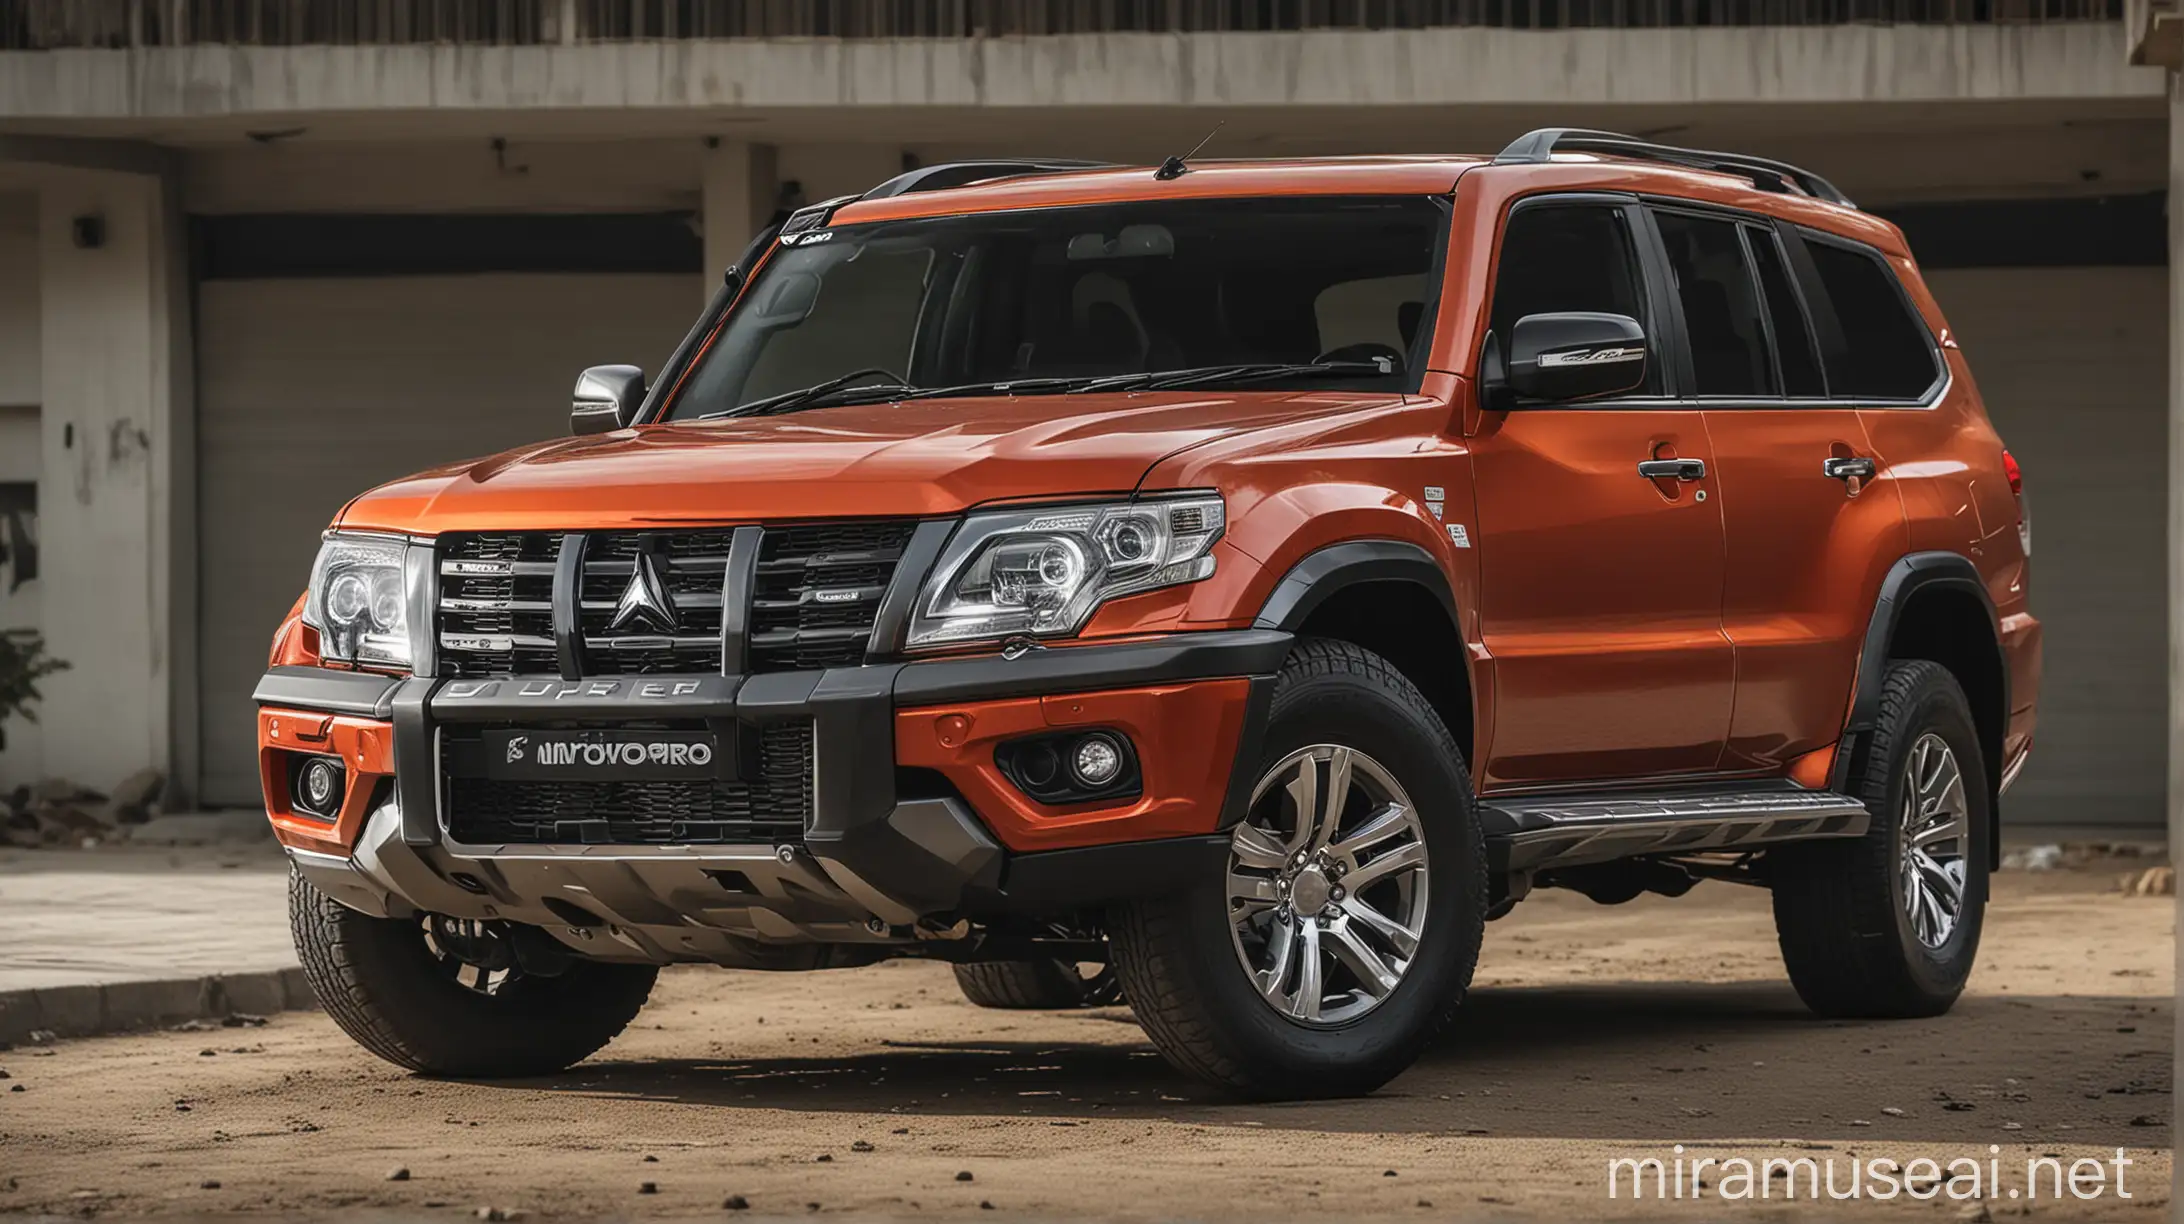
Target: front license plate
x=605, y=756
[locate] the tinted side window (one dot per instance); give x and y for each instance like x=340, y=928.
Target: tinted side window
x=1887, y=352
x=1794, y=350
x=1721, y=312
x=1557, y=257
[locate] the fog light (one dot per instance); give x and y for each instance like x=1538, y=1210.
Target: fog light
x=318, y=787
x=1096, y=761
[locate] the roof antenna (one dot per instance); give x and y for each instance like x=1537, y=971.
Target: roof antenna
x=1173, y=168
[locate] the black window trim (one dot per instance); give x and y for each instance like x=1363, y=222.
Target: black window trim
x=1816, y=289
x=1811, y=297
x=1664, y=336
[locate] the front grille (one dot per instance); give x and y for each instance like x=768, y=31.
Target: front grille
x=818, y=592
x=813, y=592
x=769, y=806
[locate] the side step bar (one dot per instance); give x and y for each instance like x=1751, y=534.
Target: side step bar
x=1526, y=832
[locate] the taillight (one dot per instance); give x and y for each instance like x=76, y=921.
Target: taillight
x=2017, y=490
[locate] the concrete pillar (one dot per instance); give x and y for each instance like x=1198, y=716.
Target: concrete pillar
x=739, y=189
x=117, y=493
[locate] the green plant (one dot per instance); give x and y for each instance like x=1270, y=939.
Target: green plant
x=23, y=662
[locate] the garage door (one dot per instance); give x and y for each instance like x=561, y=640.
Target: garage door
x=312, y=390
x=2073, y=363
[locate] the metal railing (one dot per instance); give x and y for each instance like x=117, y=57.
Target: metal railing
x=52, y=24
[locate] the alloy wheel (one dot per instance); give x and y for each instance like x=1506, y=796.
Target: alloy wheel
x=1327, y=885
x=1933, y=821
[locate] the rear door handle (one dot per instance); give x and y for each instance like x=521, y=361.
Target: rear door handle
x=1672, y=469
x=1846, y=469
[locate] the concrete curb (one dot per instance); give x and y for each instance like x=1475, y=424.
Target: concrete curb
x=122, y=1007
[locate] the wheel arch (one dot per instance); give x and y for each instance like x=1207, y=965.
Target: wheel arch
x=1392, y=598
x=1935, y=606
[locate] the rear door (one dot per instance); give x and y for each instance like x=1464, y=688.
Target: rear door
x=1600, y=588
x=1808, y=526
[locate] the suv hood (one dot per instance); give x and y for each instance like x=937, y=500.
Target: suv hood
x=924, y=457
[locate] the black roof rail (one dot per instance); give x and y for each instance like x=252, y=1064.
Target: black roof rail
x=1542, y=144
x=958, y=174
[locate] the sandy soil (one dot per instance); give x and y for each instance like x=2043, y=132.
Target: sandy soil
x=1595, y=1032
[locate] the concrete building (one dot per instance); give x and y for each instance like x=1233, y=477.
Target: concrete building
x=255, y=256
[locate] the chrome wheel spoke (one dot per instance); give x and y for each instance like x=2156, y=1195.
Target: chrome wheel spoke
x=1399, y=937
x=1373, y=974
x=1328, y=820
x=1389, y=821
x=1255, y=847
x=1281, y=946
x=1402, y=858
x=1305, y=1002
x=1304, y=793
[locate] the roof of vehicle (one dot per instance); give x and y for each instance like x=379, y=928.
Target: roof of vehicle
x=1430, y=174
x=1375, y=175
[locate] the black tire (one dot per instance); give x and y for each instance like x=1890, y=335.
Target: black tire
x=1847, y=935
x=1036, y=985
x=388, y=990
x=1177, y=958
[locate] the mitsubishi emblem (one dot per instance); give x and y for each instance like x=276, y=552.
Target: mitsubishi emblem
x=645, y=601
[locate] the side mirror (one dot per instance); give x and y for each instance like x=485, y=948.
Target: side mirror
x=1574, y=355
x=607, y=398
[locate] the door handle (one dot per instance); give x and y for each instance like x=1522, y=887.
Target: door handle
x=1861, y=469
x=1672, y=469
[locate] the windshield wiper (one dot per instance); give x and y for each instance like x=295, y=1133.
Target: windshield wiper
x=1266, y=371
x=836, y=389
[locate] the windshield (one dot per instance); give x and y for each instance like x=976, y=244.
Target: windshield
x=1335, y=290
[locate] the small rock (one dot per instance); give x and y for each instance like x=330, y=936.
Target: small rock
x=494, y=1213
x=2013, y=1126
x=1958, y=1106
x=965, y=1175
x=2035, y=858
x=2152, y=882
x=900, y=1130
x=41, y=1037
x=1387, y=1173
x=861, y=1146
x=648, y=1187
x=209, y=1184
x=823, y=1158
x=985, y=1205
x=398, y=1173
x=207, y=1053
x=1891, y=1111
x=1425, y=1202
x=180, y=1107
x=242, y=1020
x=4, y=1074
x=15, y=1088
x=134, y=796
x=2146, y=1120
x=651, y=1159
x=736, y=1202
x=1977, y=1213
x=1860, y=1122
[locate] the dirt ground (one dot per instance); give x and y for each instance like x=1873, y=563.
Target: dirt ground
x=1594, y=1033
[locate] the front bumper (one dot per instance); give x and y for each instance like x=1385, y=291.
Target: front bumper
x=871, y=864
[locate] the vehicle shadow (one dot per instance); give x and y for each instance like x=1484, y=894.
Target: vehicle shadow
x=1639, y=1061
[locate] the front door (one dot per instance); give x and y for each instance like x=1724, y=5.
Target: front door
x=1600, y=585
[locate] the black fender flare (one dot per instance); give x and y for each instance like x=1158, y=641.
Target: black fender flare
x=1324, y=571
x=1913, y=574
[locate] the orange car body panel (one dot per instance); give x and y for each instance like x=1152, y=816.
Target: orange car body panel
x=1614, y=628
x=1185, y=736
x=366, y=749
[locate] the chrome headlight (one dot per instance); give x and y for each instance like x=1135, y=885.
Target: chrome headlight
x=359, y=601
x=1040, y=573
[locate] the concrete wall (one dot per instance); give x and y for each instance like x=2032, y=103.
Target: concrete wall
x=19, y=439
x=1359, y=68
x=110, y=506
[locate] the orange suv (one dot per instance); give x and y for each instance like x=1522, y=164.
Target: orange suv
x=1221, y=587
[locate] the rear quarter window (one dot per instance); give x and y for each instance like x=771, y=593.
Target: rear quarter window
x=1887, y=353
